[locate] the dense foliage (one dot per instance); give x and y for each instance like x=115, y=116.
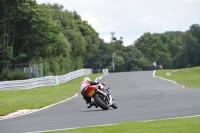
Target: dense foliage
x=172, y=49
x=64, y=42
x=46, y=33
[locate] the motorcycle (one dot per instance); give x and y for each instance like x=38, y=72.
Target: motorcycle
x=101, y=95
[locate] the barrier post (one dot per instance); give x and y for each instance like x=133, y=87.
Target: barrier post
x=57, y=82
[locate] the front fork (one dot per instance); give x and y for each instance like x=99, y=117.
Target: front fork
x=111, y=100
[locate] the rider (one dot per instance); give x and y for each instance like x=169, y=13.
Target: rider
x=85, y=83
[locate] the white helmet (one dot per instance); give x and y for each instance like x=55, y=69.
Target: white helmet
x=86, y=79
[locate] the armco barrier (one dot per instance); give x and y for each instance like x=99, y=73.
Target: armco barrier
x=43, y=81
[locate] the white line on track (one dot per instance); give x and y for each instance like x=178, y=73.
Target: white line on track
x=173, y=118
x=70, y=128
x=111, y=124
x=166, y=79
x=100, y=125
x=26, y=111
x=36, y=110
x=117, y=123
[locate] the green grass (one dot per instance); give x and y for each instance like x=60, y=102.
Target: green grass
x=188, y=77
x=181, y=125
x=13, y=100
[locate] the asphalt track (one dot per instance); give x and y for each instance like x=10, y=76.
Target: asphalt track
x=139, y=96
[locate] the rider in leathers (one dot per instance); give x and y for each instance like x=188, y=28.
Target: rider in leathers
x=85, y=83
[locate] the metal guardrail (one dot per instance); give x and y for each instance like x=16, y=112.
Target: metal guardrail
x=43, y=81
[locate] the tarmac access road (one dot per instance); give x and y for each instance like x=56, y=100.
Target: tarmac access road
x=139, y=95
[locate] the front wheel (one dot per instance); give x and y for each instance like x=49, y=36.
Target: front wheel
x=100, y=103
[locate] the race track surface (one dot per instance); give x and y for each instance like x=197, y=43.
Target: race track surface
x=139, y=96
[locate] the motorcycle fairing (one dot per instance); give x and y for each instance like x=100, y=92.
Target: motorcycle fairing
x=90, y=91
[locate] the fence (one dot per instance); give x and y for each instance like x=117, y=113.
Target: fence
x=43, y=81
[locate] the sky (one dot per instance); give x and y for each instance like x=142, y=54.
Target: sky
x=130, y=19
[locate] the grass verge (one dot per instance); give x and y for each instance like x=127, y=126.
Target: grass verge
x=13, y=100
x=188, y=77
x=181, y=125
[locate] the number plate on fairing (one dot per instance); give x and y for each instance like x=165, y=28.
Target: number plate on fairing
x=91, y=93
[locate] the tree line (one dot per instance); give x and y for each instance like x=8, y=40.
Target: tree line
x=172, y=50
x=63, y=42
x=46, y=33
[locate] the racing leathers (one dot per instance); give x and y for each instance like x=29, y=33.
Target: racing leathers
x=83, y=85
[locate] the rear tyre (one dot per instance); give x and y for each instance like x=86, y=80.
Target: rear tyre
x=100, y=103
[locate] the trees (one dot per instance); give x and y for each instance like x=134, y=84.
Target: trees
x=195, y=48
x=195, y=31
x=31, y=32
x=11, y=14
x=64, y=42
x=119, y=64
x=191, y=49
x=153, y=49
x=25, y=32
x=168, y=49
x=90, y=35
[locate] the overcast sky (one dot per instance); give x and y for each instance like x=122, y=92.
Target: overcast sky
x=130, y=19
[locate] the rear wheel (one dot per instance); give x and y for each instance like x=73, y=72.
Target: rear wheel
x=100, y=102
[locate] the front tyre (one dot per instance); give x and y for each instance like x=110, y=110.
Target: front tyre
x=100, y=103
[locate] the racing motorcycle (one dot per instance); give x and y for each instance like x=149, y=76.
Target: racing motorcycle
x=101, y=95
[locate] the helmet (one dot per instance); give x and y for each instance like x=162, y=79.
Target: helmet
x=86, y=79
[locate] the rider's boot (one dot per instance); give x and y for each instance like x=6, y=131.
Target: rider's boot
x=89, y=105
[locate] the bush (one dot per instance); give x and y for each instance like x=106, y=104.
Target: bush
x=8, y=74
x=135, y=68
x=18, y=75
x=5, y=74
